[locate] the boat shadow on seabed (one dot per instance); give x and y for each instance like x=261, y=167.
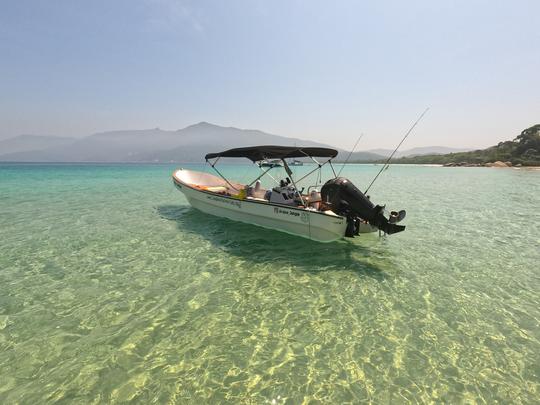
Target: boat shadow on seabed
x=261, y=245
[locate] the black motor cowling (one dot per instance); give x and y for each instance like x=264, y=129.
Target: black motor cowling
x=345, y=199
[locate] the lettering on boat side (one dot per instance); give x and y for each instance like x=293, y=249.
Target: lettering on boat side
x=225, y=201
x=281, y=211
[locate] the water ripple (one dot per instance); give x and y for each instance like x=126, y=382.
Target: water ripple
x=112, y=289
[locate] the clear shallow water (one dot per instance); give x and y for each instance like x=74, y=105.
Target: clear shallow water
x=113, y=289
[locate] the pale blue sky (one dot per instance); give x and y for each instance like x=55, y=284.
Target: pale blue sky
x=323, y=70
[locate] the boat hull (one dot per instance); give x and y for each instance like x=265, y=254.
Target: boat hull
x=317, y=226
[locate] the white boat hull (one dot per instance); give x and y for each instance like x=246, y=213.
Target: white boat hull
x=314, y=225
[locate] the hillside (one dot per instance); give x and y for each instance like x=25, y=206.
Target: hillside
x=522, y=150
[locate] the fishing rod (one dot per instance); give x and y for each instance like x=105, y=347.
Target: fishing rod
x=350, y=153
x=395, y=150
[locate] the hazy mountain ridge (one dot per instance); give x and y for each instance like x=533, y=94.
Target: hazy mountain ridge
x=423, y=150
x=22, y=143
x=189, y=144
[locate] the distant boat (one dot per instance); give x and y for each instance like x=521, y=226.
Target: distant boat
x=270, y=163
x=296, y=162
x=339, y=209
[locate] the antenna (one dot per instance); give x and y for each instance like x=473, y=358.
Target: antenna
x=350, y=153
x=395, y=150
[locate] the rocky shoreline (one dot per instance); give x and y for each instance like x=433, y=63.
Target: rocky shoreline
x=498, y=163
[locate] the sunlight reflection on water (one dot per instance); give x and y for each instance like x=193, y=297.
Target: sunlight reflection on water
x=113, y=289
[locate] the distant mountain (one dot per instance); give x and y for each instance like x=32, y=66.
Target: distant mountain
x=114, y=146
x=425, y=150
x=198, y=140
x=25, y=143
x=153, y=145
x=189, y=144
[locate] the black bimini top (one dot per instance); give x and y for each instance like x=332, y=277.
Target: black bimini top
x=256, y=153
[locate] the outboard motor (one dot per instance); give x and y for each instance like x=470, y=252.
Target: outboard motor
x=345, y=199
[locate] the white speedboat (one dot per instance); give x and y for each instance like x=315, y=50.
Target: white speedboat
x=339, y=209
x=296, y=162
x=270, y=163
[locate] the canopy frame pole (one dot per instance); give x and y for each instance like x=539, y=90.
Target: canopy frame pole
x=308, y=174
x=269, y=175
x=318, y=179
x=262, y=174
x=273, y=178
x=289, y=172
x=319, y=166
x=316, y=161
x=312, y=158
x=218, y=172
x=332, y=166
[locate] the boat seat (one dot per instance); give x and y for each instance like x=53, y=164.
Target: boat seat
x=217, y=189
x=213, y=189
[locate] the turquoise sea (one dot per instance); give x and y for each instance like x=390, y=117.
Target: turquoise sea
x=112, y=289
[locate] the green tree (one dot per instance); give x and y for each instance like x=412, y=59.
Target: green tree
x=528, y=141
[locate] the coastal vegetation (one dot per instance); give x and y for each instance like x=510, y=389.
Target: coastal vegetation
x=524, y=150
